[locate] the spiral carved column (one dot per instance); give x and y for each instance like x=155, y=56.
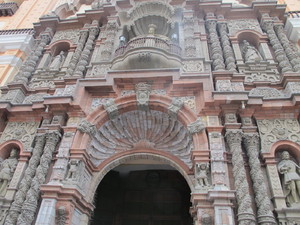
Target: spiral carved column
x=30, y=204
x=84, y=59
x=245, y=212
x=216, y=50
x=227, y=49
x=264, y=212
x=15, y=208
x=291, y=54
x=29, y=66
x=77, y=53
x=280, y=55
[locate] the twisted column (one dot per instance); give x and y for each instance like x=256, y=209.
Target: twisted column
x=216, y=50
x=291, y=54
x=15, y=208
x=227, y=49
x=84, y=59
x=264, y=212
x=30, y=204
x=280, y=55
x=245, y=212
x=77, y=53
x=29, y=66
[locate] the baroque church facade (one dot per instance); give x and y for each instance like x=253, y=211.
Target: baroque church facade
x=153, y=112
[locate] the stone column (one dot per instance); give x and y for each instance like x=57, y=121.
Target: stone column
x=280, y=55
x=15, y=208
x=110, y=35
x=78, y=51
x=291, y=54
x=84, y=58
x=245, y=212
x=226, y=46
x=264, y=210
x=216, y=50
x=29, y=66
x=29, y=207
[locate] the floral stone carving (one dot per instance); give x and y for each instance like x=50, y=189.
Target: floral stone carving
x=22, y=131
x=276, y=130
x=143, y=91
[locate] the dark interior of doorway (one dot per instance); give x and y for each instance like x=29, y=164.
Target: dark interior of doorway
x=142, y=197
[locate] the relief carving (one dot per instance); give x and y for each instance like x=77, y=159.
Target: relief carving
x=111, y=109
x=196, y=126
x=72, y=35
x=22, y=131
x=278, y=129
x=201, y=175
x=143, y=91
x=290, y=171
x=243, y=24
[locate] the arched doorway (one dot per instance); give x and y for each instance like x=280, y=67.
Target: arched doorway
x=142, y=194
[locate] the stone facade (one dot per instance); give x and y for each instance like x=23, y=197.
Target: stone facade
x=206, y=89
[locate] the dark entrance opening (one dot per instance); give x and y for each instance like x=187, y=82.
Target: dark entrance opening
x=133, y=195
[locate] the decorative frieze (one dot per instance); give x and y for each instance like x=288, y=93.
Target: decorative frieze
x=13, y=96
x=227, y=85
x=22, y=131
x=143, y=91
x=72, y=35
x=193, y=66
x=237, y=25
x=34, y=98
x=245, y=213
x=69, y=90
x=277, y=130
x=100, y=101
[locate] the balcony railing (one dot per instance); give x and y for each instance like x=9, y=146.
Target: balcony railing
x=17, y=31
x=293, y=14
x=8, y=9
x=149, y=42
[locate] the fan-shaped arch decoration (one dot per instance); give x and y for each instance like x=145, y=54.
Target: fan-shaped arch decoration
x=141, y=130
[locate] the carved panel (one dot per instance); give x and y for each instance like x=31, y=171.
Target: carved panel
x=277, y=130
x=72, y=35
x=34, y=98
x=99, y=101
x=193, y=66
x=243, y=24
x=22, y=131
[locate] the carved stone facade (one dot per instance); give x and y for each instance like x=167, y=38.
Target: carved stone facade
x=153, y=112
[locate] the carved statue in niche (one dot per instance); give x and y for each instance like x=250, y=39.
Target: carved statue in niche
x=7, y=169
x=57, y=61
x=152, y=29
x=201, y=174
x=291, y=179
x=250, y=53
x=73, y=169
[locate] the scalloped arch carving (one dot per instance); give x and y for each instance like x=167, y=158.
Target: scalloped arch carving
x=133, y=130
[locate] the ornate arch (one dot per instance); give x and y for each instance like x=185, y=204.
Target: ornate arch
x=150, y=155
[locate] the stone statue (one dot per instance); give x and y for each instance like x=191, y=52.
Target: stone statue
x=152, y=29
x=291, y=178
x=250, y=53
x=73, y=168
x=7, y=169
x=201, y=174
x=57, y=61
